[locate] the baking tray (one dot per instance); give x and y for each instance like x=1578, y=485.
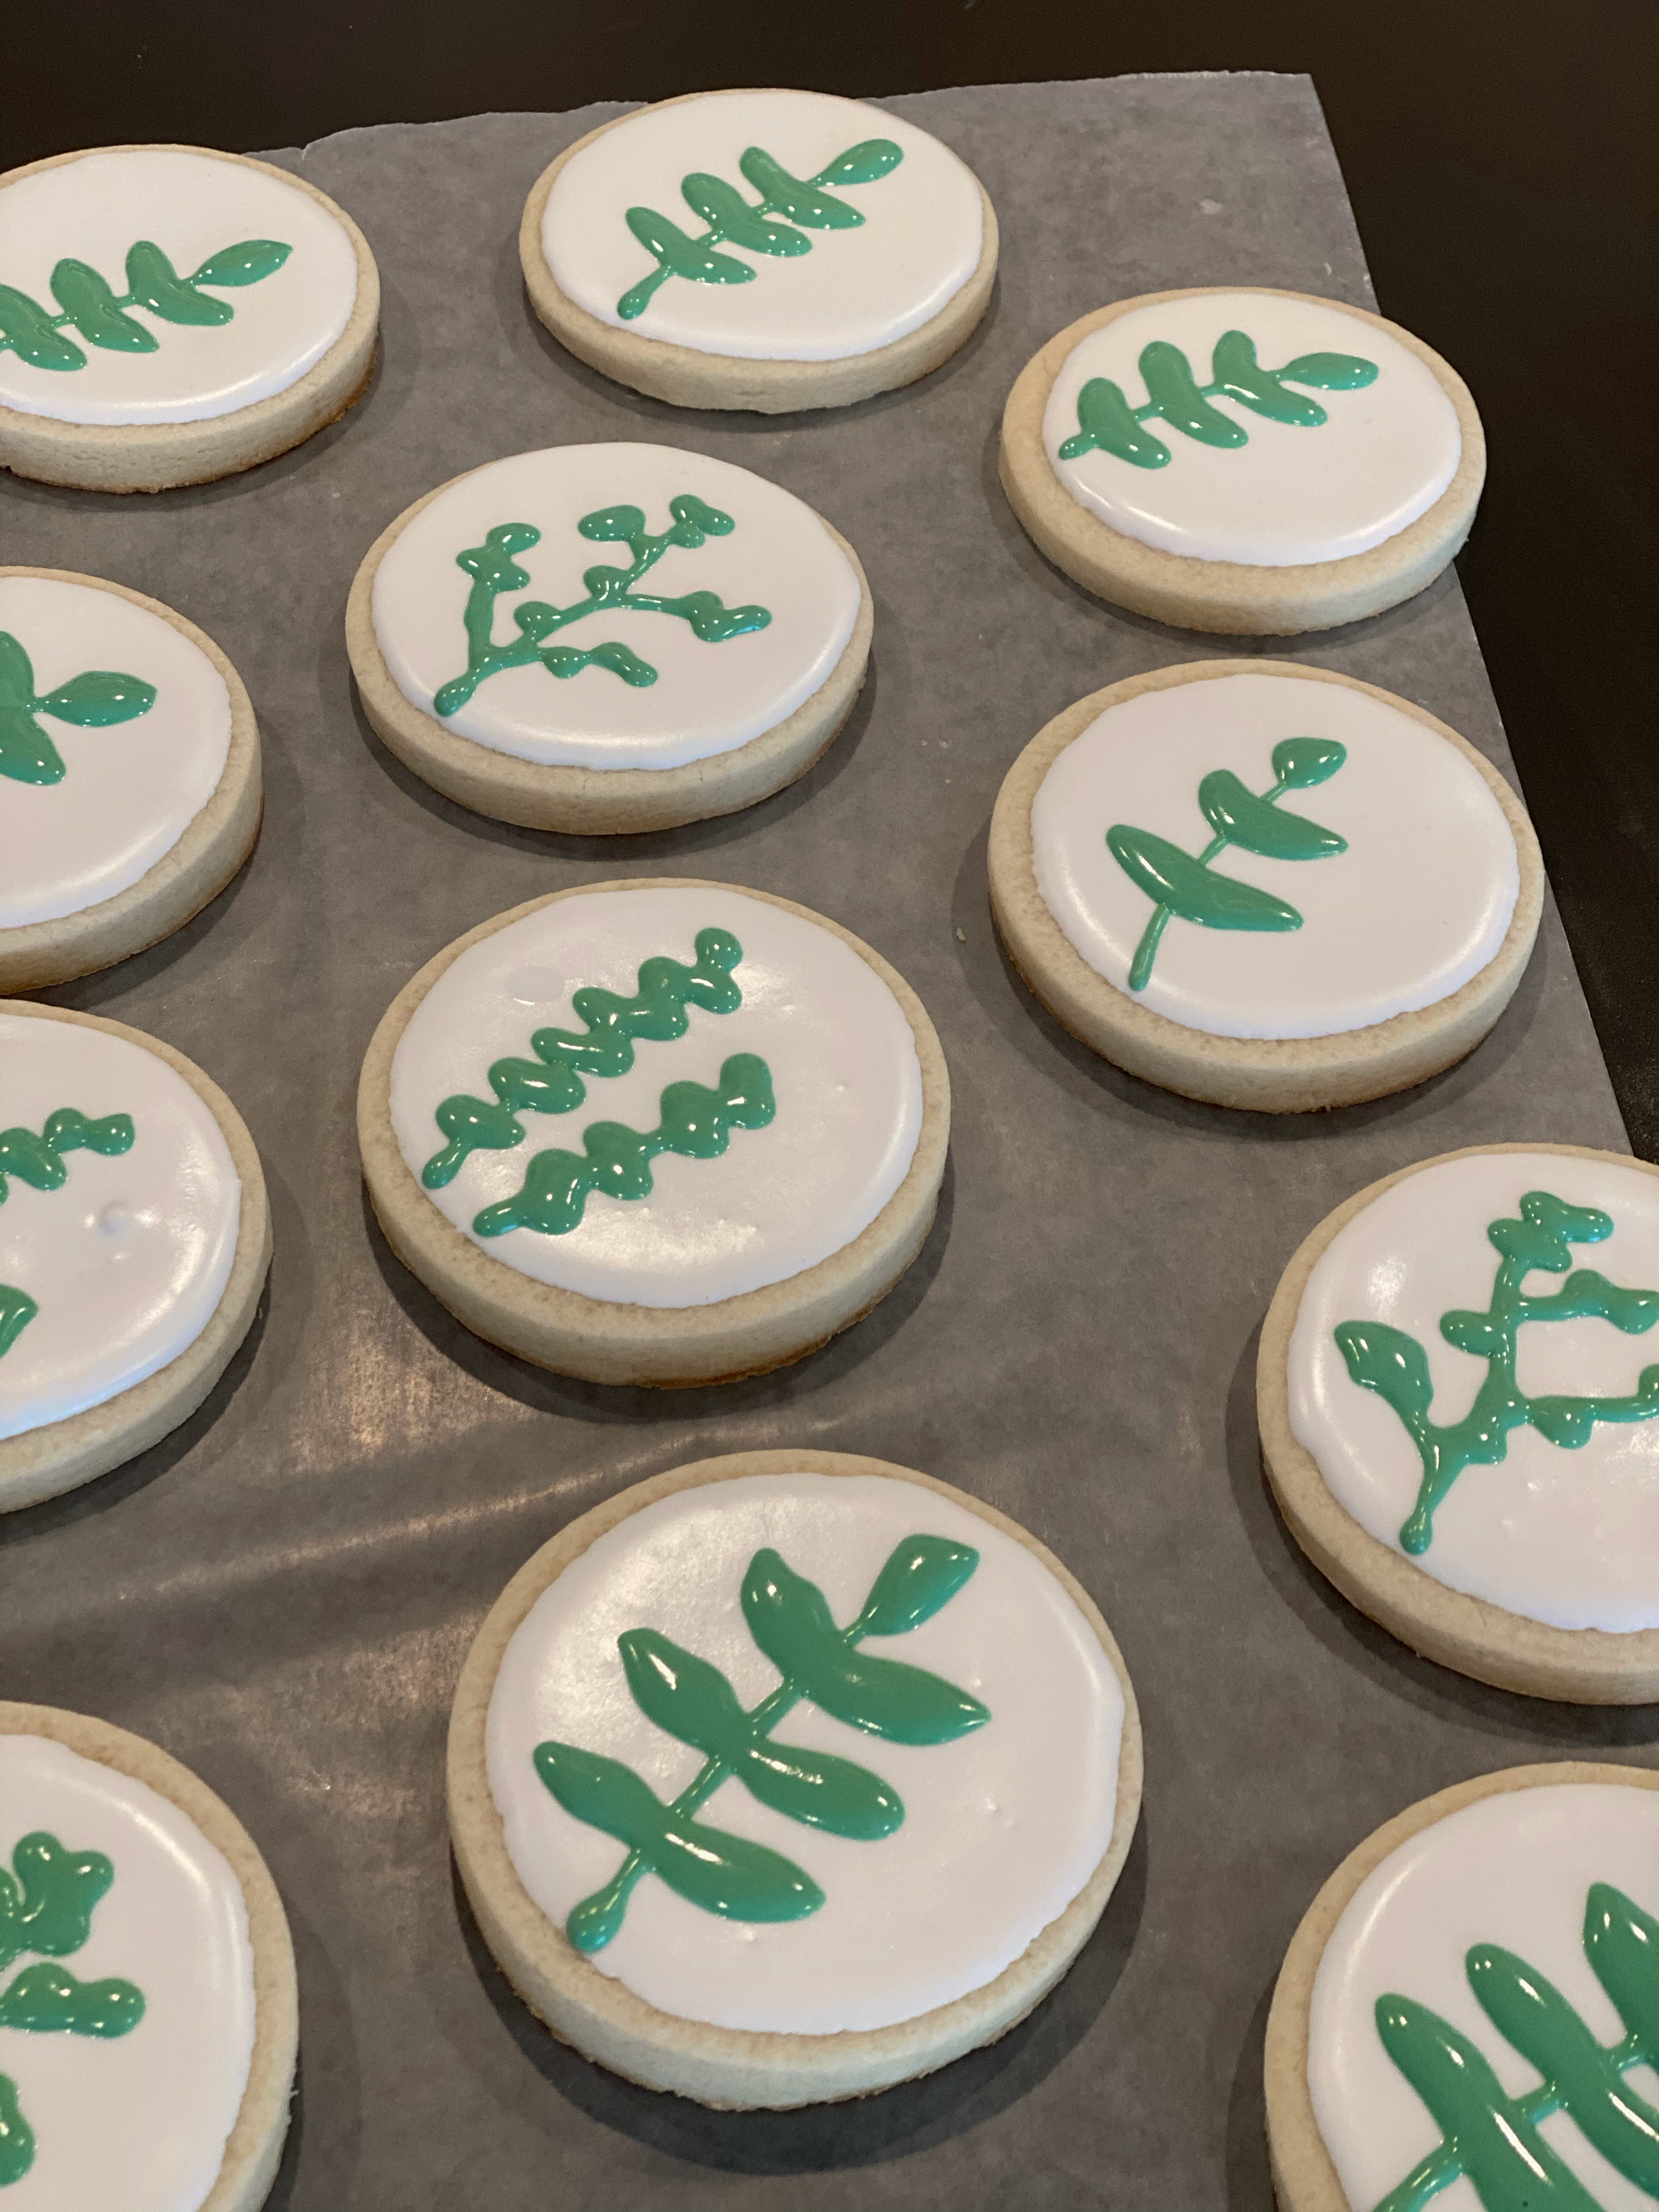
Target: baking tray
x=283, y=1592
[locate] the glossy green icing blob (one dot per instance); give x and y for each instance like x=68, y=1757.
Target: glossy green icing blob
x=99, y=317
x=1107, y=423
x=38, y=1162
x=556, y=1081
x=695, y=1122
x=1494, y=2139
x=47, y=1905
x=1178, y=884
x=494, y=570
x=804, y=205
x=94, y=700
x=1383, y=1359
x=693, y=1701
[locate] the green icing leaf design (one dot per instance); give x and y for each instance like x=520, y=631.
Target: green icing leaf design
x=494, y=569
x=693, y=1701
x=47, y=1905
x=803, y=204
x=99, y=317
x=1179, y=883
x=1107, y=423
x=38, y=1162
x=1494, y=2139
x=1387, y=1360
x=95, y=700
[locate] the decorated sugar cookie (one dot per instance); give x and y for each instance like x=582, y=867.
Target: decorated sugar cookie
x=658, y=1132
x=1472, y=2006
x=130, y=784
x=1264, y=886
x=1243, y=461
x=767, y=250
x=1458, y=1390
x=787, y=1776
x=134, y=1241
x=615, y=637
x=170, y=314
x=148, y=2008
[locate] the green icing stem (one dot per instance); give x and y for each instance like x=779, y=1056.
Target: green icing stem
x=555, y=1081
x=1493, y=2138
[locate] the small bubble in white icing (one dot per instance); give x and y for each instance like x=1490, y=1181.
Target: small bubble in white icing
x=114, y=1220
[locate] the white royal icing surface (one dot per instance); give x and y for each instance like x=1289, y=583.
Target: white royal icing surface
x=708, y=698
x=1291, y=494
x=858, y=289
x=1512, y=1870
x=1418, y=904
x=129, y=791
x=1568, y=1537
x=844, y=1072
x=1001, y=1828
x=139, y=2121
x=129, y=1257
x=191, y=205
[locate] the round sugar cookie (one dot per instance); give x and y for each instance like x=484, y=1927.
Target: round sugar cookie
x=135, y=1236
x=129, y=770
x=936, y=1756
x=683, y=638
x=1461, y=1421
x=760, y=1116
x=1264, y=886
x=1243, y=460
x=148, y=1983
x=771, y=250
x=1471, y=2005
x=169, y=314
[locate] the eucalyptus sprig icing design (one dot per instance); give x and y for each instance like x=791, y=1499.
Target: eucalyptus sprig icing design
x=1179, y=883
x=790, y=1620
x=754, y=225
x=92, y=308
x=494, y=570
x=38, y=1162
x=1107, y=423
x=1383, y=1359
x=1494, y=2139
x=94, y=700
x=47, y=1905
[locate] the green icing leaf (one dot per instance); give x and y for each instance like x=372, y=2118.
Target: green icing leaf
x=16, y=673
x=1330, y=372
x=620, y=659
x=1238, y=374
x=47, y=1902
x=1107, y=423
x=27, y=330
x=98, y=699
x=17, y=2135
x=17, y=1310
x=49, y=2000
x=1300, y=762
x=249, y=263
x=88, y=303
x=1621, y=1942
x=865, y=163
x=27, y=754
x=696, y=521
x=153, y=283
x=1175, y=395
x=792, y=196
x=1259, y=826
x=921, y=1575
x=677, y=255
x=1385, y=1359
x=1174, y=879
x=613, y=525
x=723, y=208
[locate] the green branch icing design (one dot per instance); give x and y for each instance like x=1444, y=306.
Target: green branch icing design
x=1177, y=884
x=494, y=570
x=790, y=1620
x=38, y=1161
x=1494, y=2138
x=93, y=309
x=1107, y=423
x=1386, y=1360
x=47, y=1905
x=734, y=220
x=566, y=1062
x=91, y=700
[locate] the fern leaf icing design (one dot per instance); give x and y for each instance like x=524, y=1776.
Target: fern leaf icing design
x=95, y=700
x=1252, y=427
x=90, y=306
x=1488, y=2025
x=37, y=1158
x=494, y=569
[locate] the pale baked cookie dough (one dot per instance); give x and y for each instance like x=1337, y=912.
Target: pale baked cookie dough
x=682, y=638
x=771, y=250
x=1471, y=2005
x=135, y=1236
x=1242, y=460
x=169, y=314
x=1460, y=1422
x=130, y=783
x=790, y=1775
x=147, y=1963
x=760, y=1113
x=1264, y=886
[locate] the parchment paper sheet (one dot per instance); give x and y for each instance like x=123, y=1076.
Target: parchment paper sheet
x=282, y=1593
